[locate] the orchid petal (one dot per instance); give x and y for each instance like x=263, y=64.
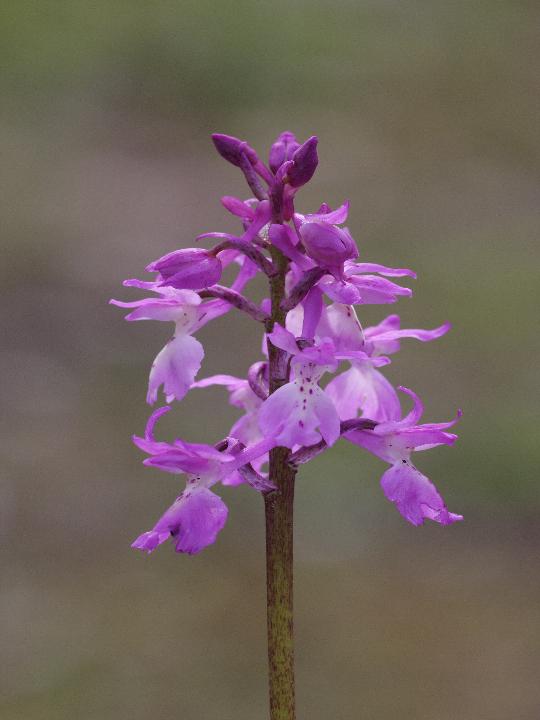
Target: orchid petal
x=362, y=388
x=409, y=420
x=414, y=495
x=283, y=339
x=175, y=367
x=356, y=268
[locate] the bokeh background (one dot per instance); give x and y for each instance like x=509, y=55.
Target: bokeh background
x=427, y=114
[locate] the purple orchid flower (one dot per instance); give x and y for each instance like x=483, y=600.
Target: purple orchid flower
x=197, y=515
x=358, y=286
x=312, y=255
x=363, y=388
x=414, y=495
x=294, y=412
x=177, y=364
x=300, y=412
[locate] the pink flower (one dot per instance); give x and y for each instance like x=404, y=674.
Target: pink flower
x=300, y=412
x=415, y=496
x=177, y=364
x=363, y=388
x=198, y=514
x=305, y=258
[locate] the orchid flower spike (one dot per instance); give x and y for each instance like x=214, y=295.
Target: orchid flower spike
x=320, y=374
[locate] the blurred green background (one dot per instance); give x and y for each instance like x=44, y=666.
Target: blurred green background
x=427, y=114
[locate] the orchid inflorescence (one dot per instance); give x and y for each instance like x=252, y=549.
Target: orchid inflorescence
x=315, y=331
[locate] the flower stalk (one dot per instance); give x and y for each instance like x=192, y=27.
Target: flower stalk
x=279, y=515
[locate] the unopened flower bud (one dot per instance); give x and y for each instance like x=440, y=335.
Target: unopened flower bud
x=305, y=161
x=232, y=149
x=190, y=269
x=326, y=244
x=282, y=150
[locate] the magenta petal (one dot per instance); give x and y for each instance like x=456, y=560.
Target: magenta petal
x=344, y=392
x=355, y=268
x=281, y=237
x=229, y=381
x=169, y=308
x=281, y=416
x=237, y=207
x=262, y=216
x=328, y=417
x=376, y=444
x=201, y=517
x=340, y=292
x=283, y=339
x=340, y=323
x=193, y=520
x=293, y=413
x=313, y=308
x=149, y=541
x=209, y=310
x=409, y=420
x=175, y=368
x=423, y=437
x=418, y=334
x=374, y=290
x=334, y=217
x=148, y=443
x=362, y=388
x=176, y=461
x=414, y=495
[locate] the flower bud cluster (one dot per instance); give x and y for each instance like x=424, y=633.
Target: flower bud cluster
x=313, y=331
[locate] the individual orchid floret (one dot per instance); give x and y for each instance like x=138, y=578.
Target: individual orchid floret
x=358, y=288
x=189, y=269
x=349, y=285
x=197, y=515
x=178, y=363
x=282, y=150
x=193, y=522
x=414, y=495
x=362, y=388
x=300, y=412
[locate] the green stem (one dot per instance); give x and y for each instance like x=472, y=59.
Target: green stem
x=279, y=538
